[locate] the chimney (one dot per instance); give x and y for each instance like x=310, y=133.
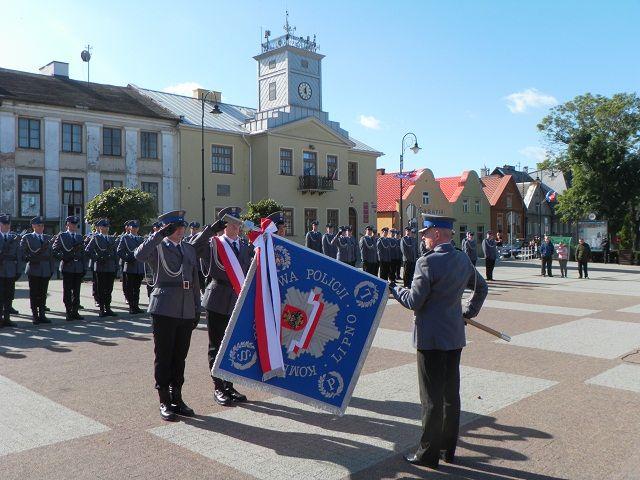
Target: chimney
x=56, y=69
x=380, y=171
x=215, y=97
x=484, y=172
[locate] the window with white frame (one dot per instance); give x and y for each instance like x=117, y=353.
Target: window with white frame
x=221, y=159
x=29, y=133
x=149, y=144
x=112, y=141
x=286, y=161
x=71, y=138
x=425, y=198
x=465, y=206
x=30, y=196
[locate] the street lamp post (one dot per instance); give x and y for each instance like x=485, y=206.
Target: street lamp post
x=216, y=111
x=414, y=149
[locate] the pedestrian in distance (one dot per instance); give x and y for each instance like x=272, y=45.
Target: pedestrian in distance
x=605, y=245
x=583, y=256
x=470, y=247
x=435, y=297
x=563, y=257
x=490, y=251
x=546, y=256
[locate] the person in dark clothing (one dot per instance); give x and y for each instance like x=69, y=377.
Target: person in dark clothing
x=583, y=255
x=546, y=256
x=490, y=251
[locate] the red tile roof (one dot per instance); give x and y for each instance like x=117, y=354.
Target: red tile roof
x=493, y=186
x=388, y=186
x=452, y=186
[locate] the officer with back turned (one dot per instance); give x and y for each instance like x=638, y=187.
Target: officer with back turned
x=435, y=296
x=68, y=247
x=174, y=307
x=132, y=269
x=10, y=254
x=313, y=239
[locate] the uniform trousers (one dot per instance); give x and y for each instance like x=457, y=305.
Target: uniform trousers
x=171, y=341
x=370, y=267
x=216, y=326
x=582, y=268
x=489, y=264
x=131, y=287
x=546, y=266
x=71, y=283
x=7, y=293
x=104, y=287
x=94, y=286
x=386, y=272
x=396, y=264
x=407, y=273
x=38, y=287
x=439, y=380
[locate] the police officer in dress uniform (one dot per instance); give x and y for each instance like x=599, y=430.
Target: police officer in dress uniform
x=174, y=307
x=68, y=247
x=102, y=250
x=313, y=239
x=408, y=248
x=435, y=297
x=383, y=247
x=355, y=249
x=219, y=296
x=327, y=247
x=396, y=253
x=36, y=249
x=342, y=243
x=278, y=220
x=132, y=269
x=368, y=252
x=10, y=254
x=148, y=271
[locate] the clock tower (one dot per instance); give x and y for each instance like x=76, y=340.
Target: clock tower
x=289, y=72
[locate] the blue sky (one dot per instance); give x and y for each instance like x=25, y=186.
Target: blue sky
x=470, y=78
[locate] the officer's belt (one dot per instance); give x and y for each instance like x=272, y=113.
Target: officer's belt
x=169, y=284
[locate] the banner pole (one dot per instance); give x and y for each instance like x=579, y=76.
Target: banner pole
x=490, y=330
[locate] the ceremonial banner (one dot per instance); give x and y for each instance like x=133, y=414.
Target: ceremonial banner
x=328, y=315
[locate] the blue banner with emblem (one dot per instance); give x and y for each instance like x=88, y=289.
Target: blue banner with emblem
x=330, y=312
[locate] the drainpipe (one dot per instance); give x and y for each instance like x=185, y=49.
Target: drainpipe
x=250, y=168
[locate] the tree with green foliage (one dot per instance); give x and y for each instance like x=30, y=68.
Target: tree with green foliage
x=261, y=209
x=121, y=204
x=597, y=139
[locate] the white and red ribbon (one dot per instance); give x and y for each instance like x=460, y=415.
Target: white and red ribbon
x=230, y=263
x=267, y=306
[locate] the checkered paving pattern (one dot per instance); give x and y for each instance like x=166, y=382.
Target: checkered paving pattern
x=78, y=397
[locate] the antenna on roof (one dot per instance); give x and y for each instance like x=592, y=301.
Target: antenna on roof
x=86, y=56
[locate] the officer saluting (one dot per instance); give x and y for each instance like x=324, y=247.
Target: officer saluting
x=409, y=250
x=36, y=248
x=327, y=247
x=132, y=269
x=225, y=254
x=10, y=254
x=346, y=250
x=435, y=297
x=174, y=307
x=368, y=252
x=68, y=246
x=313, y=239
x=102, y=250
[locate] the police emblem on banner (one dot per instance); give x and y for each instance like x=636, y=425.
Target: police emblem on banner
x=329, y=315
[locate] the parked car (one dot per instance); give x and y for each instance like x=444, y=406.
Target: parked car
x=510, y=250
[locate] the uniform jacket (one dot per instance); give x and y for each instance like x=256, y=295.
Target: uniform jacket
x=10, y=255
x=435, y=297
x=489, y=249
x=102, y=250
x=583, y=252
x=546, y=250
x=383, y=247
x=69, y=249
x=408, y=249
x=346, y=247
x=171, y=272
x=470, y=248
x=327, y=247
x=125, y=251
x=38, y=255
x=219, y=296
x=313, y=240
x=368, y=250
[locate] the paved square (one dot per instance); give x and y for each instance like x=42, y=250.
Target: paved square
x=396, y=340
x=30, y=420
x=589, y=336
x=624, y=377
x=301, y=443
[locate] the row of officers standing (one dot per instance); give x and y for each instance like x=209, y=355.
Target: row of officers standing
x=382, y=255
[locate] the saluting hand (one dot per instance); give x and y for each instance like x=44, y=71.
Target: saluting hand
x=168, y=229
x=218, y=226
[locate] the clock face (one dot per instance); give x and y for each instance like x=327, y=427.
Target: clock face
x=304, y=90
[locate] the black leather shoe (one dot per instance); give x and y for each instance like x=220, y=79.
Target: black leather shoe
x=103, y=313
x=80, y=307
x=47, y=309
x=70, y=317
x=181, y=408
x=14, y=311
x=136, y=310
x=447, y=456
x=414, y=460
x=77, y=316
x=222, y=397
x=43, y=319
x=166, y=413
x=8, y=323
x=235, y=395
x=110, y=313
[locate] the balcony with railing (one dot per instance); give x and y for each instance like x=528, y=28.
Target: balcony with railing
x=315, y=184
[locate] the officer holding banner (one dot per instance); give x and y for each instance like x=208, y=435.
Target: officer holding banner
x=435, y=296
x=229, y=257
x=174, y=307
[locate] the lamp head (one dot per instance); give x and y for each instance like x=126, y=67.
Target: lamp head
x=216, y=110
x=415, y=148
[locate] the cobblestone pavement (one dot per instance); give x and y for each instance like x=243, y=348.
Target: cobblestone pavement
x=560, y=401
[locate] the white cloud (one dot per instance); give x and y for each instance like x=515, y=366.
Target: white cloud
x=185, y=88
x=369, y=121
x=519, y=102
x=537, y=154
